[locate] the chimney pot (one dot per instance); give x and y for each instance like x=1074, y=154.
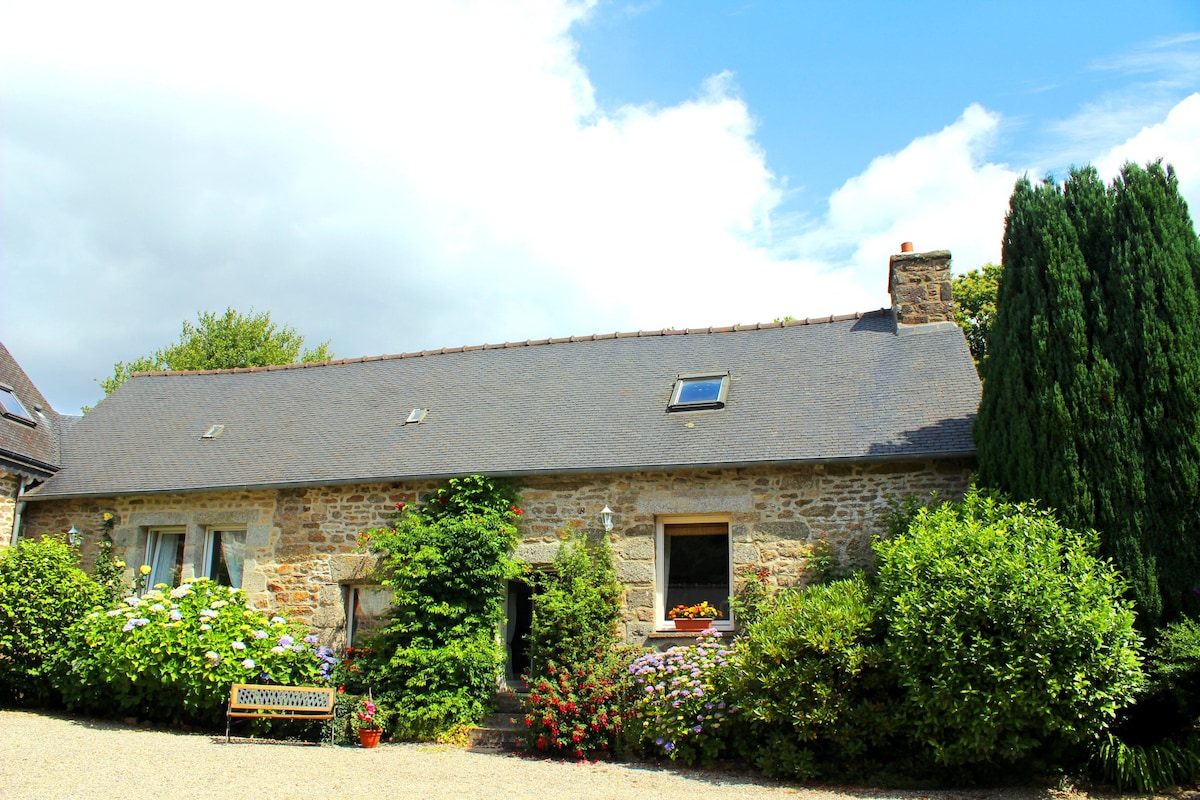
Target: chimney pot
x=906, y=247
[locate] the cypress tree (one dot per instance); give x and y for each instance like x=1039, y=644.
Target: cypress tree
x=1153, y=340
x=1091, y=398
x=1038, y=343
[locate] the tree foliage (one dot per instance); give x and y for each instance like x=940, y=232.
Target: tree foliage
x=975, y=306
x=224, y=341
x=1091, y=397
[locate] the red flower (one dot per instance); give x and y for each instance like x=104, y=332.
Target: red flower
x=400, y=506
x=541, y=743
x=515, y=510
x=341, y=690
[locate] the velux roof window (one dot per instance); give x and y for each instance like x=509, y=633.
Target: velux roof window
x=694, y=392
x=10, y=406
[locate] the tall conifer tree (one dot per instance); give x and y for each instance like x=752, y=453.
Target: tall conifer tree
x=1092, y=394
x=1038, y=341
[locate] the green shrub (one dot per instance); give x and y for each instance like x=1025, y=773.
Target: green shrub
x=172, y=655
x=436, y=659
x=810, y=685
x=579, y=679
x=1148, y=767
x=681, y=701
x=576, y=605
x=42, y=593
x=1007, y=634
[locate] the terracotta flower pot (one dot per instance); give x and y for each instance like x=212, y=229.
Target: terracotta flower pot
x=369, y=738
x=693, y=625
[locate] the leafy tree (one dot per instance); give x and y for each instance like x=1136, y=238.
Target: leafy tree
x=1091, y=397
x=975, y=306
x=226, y=341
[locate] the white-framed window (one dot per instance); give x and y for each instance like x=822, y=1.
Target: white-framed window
x=366, y=606
x=694, y=564
x=224, y=556
x=164, y=554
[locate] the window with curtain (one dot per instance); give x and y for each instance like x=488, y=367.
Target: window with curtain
x=366, y=607
x=694, y=566
x=224, y=556
x=164, y=554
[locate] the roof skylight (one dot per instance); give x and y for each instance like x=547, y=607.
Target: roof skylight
x=694, y=392
x=11, y=406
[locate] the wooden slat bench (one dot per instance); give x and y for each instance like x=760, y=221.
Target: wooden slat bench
x=251, y=700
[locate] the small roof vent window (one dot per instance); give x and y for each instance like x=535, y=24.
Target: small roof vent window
x=213, y=432
x=10, y=406
x=416, y=416
x=695, y=392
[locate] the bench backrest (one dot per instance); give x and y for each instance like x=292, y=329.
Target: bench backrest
x=281, y=698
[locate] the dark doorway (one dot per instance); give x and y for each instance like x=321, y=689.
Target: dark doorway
x=516, y=638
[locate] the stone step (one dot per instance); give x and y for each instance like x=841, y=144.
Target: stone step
x=501, y=731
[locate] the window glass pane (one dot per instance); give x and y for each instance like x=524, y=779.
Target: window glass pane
x=367, y=607
x=226, y=555
x=10, y=404
x=697, y=560
x=703, y=390
x=165, y=553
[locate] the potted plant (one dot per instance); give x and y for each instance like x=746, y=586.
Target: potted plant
x=368, y=721
x=694, y=618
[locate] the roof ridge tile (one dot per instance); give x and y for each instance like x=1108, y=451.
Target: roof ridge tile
x=595, y=337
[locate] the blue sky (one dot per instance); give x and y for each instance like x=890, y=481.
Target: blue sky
x=397, y=177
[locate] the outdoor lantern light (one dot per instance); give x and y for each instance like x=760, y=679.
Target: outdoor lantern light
x=74, y=537
x=606, y=518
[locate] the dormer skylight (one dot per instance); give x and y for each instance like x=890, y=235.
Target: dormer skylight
x=700, y=391
x=213, y=432
x=416, y=416
x=10, y=406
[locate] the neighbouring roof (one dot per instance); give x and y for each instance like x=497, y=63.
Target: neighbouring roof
x=846, y=388
x=29, y=443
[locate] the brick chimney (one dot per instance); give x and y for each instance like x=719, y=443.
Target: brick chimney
x=920, y=287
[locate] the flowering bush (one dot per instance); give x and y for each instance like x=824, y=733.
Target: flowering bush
x=680, y=700
x=699, y=611
x=366, y=717
x=573, y=710
x=172, y=654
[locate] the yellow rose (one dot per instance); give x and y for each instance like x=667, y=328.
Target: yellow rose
x=144, y=569
x=107, y=517
x=120, y=565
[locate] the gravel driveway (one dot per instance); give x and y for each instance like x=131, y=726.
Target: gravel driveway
x=46, y=756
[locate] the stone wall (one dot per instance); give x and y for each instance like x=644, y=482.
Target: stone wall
x=301, y=543
x=9, y=485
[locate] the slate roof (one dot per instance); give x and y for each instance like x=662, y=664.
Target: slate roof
x=27, y=447
x=845, y=388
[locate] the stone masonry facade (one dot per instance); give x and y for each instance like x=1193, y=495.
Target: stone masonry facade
x=301, y=544
x=9, y=486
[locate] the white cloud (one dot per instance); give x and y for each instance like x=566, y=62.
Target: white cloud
x=1176, y=140
x=406, y=176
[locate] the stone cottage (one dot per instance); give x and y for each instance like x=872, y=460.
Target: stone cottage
x=716, y=449
x=29, y=441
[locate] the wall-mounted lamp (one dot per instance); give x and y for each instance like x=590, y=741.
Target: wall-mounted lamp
x=74, y=537
x=606, y=518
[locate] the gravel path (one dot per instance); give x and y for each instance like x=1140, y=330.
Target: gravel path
x=47, y=756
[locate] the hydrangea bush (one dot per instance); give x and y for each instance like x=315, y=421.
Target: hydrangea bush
x=172, y=654
x=680, y=702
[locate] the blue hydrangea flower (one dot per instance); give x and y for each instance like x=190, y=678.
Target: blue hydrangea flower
x=248, y=663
